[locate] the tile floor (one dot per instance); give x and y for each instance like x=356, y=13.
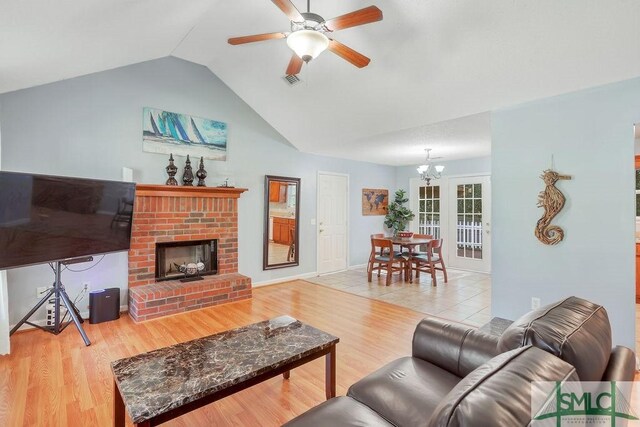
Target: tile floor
x=465, y=298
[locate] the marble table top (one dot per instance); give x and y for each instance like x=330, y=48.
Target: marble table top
x=161, y=380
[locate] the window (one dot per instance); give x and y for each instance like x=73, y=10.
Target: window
x=291, y=195
x=429, y=211
x=469, y=227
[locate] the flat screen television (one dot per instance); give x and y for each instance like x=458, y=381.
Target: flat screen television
x=51, y=218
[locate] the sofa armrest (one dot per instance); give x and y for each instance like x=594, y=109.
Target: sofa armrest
x=456, y=348
x=621, y=366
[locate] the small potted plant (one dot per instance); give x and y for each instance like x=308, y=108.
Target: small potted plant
x=398, y=215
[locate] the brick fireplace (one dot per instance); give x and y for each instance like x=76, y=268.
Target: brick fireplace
x=167, y=214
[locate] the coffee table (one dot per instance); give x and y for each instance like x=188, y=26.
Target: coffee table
x=163, y=384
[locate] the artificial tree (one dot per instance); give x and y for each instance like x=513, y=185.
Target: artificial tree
x=398, y=215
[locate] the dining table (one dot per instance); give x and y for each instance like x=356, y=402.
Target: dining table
x=410, y=244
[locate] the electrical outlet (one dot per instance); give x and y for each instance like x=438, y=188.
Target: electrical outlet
x=40, y=291
x=535, y=303
x=86, y=286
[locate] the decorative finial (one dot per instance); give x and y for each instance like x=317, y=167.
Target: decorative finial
x=172, y=170
x=201, y=173
x=187, y=176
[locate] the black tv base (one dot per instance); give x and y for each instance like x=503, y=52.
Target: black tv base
x=58, y=294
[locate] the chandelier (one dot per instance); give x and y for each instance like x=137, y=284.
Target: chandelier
x=428, y=171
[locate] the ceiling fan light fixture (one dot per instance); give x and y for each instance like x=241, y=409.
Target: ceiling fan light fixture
x=307, y=44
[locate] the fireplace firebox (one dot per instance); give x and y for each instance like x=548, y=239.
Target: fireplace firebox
x=186, y=260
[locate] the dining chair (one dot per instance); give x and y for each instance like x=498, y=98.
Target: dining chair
x=382, y=236
x=383, y=257
x=430, y=261
x=291, y=254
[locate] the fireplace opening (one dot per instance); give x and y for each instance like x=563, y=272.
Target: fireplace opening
x=190, y=259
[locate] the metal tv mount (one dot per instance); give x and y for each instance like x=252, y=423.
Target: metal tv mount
x=58, y=292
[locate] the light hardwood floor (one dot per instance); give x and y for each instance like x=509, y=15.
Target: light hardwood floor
x=49, y=380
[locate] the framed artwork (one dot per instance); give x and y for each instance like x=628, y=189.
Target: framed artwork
x=166, y=132
x=374, y=201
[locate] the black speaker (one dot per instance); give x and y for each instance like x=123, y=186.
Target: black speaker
x=104, y=305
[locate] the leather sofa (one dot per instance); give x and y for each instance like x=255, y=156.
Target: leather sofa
x=458, y=375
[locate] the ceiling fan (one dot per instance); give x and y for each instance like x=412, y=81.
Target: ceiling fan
x=309, y=34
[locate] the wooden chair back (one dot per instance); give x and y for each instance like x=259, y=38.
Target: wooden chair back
x=422, y=248
x=376, y=236
x=382, y=244
x=434, y=248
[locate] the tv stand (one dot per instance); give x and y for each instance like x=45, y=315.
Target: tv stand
x=58, y=294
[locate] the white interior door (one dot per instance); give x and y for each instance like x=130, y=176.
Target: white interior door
x=332, y=220
x=469, y=222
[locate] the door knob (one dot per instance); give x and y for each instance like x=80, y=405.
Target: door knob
x=321, y=230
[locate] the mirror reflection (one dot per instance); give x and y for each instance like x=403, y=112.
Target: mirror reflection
x=282, y=203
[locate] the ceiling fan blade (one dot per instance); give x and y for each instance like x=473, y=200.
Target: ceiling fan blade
x=289, y=9
x=359, y=17
x=295, y=65
x=256, y=38
x=348, y=54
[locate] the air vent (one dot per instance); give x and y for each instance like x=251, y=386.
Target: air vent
x=292, y=79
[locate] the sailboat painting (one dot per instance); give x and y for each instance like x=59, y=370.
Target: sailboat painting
x=165, y=132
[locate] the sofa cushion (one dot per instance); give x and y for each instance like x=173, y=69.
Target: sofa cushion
x=456, y=348
x=339, y=411
x=405, y=391
x=498, y=393
x=573, y=329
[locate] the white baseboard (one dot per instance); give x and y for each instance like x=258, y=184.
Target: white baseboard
x=43, y=322
x=283, y=279
x=355, y=267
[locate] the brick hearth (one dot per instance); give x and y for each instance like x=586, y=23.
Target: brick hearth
x=165, y=214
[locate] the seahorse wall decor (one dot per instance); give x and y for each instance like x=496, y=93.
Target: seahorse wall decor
x=552, y=200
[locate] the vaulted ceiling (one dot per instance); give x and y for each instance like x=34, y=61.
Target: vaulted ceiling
x=437, y=66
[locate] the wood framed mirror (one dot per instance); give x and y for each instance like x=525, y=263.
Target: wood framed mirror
x=281, y=222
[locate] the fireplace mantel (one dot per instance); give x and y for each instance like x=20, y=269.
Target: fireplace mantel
x=164, y=214
x=183, y=191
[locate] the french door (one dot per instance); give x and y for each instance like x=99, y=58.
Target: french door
x=458, y=210
x=469, y=223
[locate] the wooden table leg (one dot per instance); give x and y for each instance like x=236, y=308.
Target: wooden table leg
x=286, y=375
x=118, y=407
x=330, y=373
x=410, y=257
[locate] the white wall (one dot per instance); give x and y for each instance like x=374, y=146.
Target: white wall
x=91, y=126
x=590, y=134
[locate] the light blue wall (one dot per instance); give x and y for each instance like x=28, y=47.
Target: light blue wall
x=590, y=135
x=91, y=127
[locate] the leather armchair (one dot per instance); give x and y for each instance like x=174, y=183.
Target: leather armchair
x=458, y=375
